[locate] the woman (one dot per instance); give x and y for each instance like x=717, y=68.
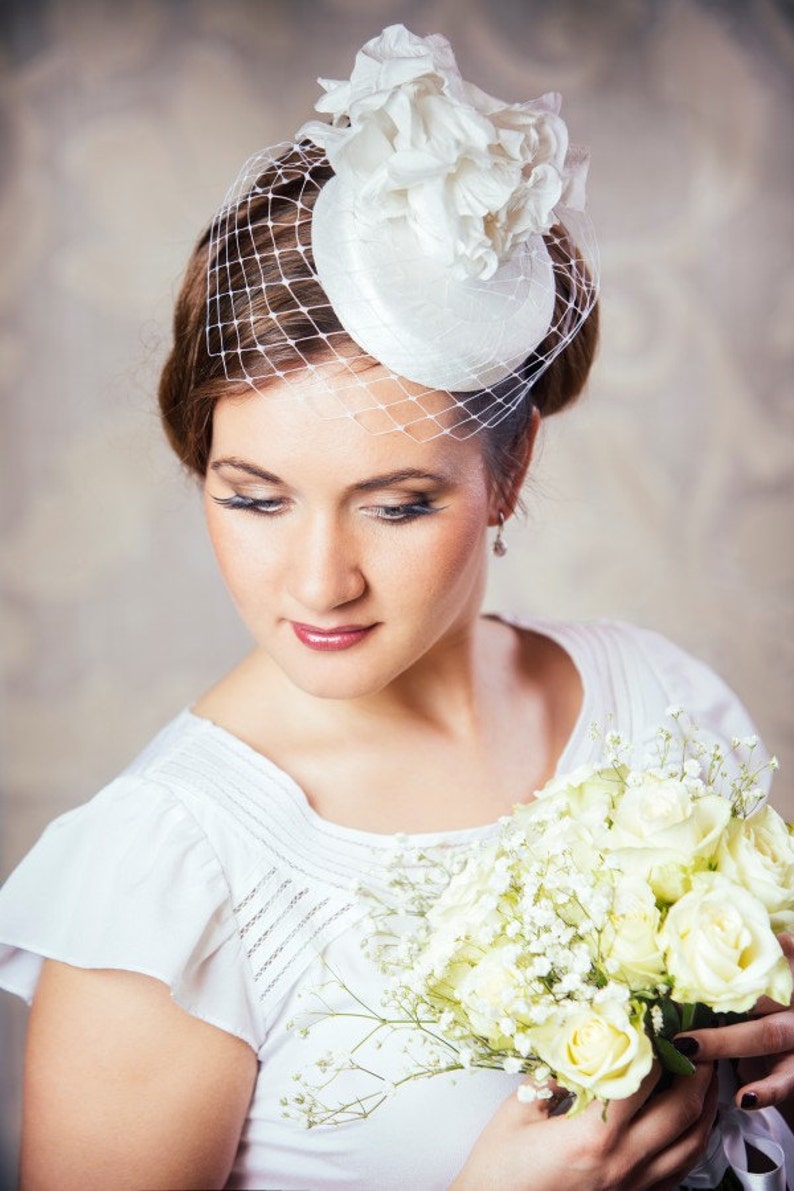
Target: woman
x=357, y=436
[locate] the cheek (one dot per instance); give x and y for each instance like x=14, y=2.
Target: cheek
x=243, y=562
x=438, y=567
x=447, y=563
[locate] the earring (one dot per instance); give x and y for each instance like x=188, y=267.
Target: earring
x=499, y=544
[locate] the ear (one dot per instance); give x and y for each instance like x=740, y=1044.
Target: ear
x=505, y=498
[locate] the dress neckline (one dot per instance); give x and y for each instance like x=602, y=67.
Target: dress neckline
x=566, y=635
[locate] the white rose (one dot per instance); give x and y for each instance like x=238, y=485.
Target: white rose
x=666, y=872
x=631, y=938
x=488, y=993
x=602, y=1052
x=468, y=906
x=587, y=795
x=561, y=842
x=721, y=950
x=570, y=815
x=662, y=812
x=758, y=853
x=660, y=830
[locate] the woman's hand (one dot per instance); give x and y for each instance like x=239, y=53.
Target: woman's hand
x=643, y=1143
x=765, y=1046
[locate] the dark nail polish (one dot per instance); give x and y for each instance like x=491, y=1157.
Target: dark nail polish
x=560, y=1107
x=749, y=1100
x=687, y=1047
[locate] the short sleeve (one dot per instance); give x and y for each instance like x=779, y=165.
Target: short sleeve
x=707, y=700
x=129, y=881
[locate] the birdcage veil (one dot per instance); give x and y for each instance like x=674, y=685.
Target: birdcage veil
x=414, y=264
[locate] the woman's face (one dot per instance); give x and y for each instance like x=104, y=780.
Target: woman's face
x=350, y=556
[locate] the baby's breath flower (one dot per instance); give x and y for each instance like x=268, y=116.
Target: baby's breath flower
x=523, y=1043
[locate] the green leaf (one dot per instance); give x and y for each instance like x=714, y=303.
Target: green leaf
x=671, y=1023
x=703, y=1017
x=671, y=1059
x=730, y=1019
x=687, y=1016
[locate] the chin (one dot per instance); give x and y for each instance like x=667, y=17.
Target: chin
x=339, y=692
x=342, y=676
x=357, y=683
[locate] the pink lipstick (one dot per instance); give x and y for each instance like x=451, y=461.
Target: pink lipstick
x=342, y=637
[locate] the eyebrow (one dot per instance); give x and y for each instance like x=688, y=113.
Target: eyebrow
x=384, y=481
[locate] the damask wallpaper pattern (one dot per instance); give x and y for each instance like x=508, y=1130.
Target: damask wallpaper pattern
x=665, y=498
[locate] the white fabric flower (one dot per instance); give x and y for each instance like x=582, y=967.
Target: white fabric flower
x=471, y=176
x=438, y=189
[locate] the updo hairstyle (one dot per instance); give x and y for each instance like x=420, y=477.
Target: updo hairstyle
x=276, y=239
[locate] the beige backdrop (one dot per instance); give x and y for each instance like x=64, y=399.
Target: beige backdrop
x=665, y=498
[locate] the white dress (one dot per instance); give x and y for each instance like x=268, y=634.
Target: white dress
x=204, y=866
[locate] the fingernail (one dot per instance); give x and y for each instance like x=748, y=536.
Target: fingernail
x=561, y=1106
x=688, y=1047
x=749, y=1100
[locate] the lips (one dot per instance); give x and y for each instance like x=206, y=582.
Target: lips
x=340, y=637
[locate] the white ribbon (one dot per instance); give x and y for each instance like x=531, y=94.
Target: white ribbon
x=727, y=1149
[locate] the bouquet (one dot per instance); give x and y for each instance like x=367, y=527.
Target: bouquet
x=617, y=908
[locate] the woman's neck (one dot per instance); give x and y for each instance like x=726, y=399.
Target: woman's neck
x=452, y=746
x=451, y=689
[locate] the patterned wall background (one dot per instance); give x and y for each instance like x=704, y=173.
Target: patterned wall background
x=665, y=498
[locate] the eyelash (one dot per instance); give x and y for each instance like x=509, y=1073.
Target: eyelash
x=410, y=511
x=252, y=506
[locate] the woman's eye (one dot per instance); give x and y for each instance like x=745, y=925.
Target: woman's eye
x=406, y=512
x=267, y=507
x=397, y=514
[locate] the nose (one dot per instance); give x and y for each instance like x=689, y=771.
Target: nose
x=325, y=567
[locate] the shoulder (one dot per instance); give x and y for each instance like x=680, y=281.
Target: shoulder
x=188, y=867
x=662, y=674
x=182, y=795
x=612, y=641
x=626, y=654
x=634, y=676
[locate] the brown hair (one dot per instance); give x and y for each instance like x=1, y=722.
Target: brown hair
x=274, y=227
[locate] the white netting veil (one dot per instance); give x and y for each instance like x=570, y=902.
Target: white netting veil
x=418, y=262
